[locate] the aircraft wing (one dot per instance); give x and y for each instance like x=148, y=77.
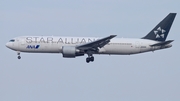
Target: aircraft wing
x=95, y=44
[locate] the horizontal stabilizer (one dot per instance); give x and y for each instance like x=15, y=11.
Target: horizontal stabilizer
x=162, y=43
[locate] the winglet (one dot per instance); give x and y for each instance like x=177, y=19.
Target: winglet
x=112, y=36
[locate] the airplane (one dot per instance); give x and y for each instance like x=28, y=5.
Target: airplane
x=72, y=47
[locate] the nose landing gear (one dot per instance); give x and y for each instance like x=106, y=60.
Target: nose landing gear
x=19, y=57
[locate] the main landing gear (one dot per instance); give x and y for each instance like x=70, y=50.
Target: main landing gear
x=90, y=57
x=19, y=57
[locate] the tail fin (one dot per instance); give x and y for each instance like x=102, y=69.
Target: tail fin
x=160, y=32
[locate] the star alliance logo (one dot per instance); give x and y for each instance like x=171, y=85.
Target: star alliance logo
x=159, y=32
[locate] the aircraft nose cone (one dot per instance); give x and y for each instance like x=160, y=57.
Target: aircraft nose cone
x=8, y=45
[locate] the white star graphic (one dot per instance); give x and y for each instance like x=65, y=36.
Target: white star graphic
x=159, y=32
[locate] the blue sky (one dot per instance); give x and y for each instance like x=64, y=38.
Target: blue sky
x=49, y=77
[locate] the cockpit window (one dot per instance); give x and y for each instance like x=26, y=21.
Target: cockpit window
x=12, y=40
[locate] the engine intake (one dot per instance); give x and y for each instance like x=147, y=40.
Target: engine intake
x=70, y=52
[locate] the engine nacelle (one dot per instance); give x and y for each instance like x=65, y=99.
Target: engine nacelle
x=69, y=51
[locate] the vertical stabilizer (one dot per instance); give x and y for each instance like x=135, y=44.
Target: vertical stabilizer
x=160, y=32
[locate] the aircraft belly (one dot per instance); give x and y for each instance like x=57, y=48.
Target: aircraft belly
x=117, y=49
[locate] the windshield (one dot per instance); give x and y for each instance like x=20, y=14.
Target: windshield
x=12, y=40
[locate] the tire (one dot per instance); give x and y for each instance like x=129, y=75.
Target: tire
x=92, y=58
x=87, y=60
x=19, y=57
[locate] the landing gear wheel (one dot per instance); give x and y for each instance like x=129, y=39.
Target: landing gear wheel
x=18, y=53
x=92, y=58
x=19, y=57
x=87, y=59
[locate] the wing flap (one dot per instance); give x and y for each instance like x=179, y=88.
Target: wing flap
x=96, y=44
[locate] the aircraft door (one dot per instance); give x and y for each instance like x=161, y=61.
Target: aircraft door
x=17, y=43
x=137, y=46
x=22, y=42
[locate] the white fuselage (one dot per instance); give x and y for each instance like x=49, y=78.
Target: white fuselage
x=52, y=44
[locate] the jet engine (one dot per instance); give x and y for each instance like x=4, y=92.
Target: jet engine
x=70, y=52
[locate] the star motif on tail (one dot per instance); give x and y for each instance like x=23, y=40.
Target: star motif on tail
x=159, y=32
